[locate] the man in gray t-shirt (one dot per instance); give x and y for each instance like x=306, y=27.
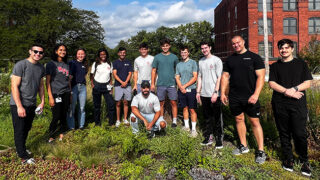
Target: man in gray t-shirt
x=210, y=71
x=186, y=77
x=146, y=110
x=26, y=82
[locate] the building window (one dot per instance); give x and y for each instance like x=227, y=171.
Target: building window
x=269, y=5
x=314, y=25
x=314, y=4
x=261, y=49
x=289, y=5
x=235, y=12
x=260, y=26
x=290, y=26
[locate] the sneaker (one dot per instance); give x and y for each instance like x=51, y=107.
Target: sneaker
x=219, y=144
x=151, y=134
x=187, y=129
x=193, y=134
x=126, y=122
x=173, y=125
x=305, y=169
x=118, y=123
x=50, y=140
x=287, y=165
x=207, y=141
x=29, y=161
x=260, y=157
x=240, y=150
x=60, y=137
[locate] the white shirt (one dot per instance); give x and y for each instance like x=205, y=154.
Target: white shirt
x=103, y=72
x=144, y=67
x=148, y=105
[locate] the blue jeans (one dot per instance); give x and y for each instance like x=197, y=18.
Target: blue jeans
x=79, y=93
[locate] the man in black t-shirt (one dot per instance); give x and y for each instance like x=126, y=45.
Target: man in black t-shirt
x=289, y=78
x=244, y=72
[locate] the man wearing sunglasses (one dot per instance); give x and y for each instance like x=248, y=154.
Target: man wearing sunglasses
x=146, y=110
x=26, y=82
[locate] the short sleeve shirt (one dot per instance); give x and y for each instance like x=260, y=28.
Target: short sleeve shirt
x=148, y=105
x=103, y=72
x=78, y=72
x=241, y=68
x=185, y=70
x=210, y=69
x=289, y=74
x=123, y=68
x=59, y=72
x=144, y=68
x=31, y=75
x=165, y=65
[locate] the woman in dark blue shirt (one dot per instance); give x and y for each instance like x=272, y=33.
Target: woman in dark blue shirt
x=78, y=72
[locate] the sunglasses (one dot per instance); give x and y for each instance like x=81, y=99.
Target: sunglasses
x=36, y=52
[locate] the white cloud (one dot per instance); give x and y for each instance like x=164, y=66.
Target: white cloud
x=104, y=2
x=129, y=19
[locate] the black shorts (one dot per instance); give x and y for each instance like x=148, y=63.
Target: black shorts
x=239, y=106
x=188, y=99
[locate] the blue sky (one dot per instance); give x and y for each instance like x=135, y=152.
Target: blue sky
x=122, y=19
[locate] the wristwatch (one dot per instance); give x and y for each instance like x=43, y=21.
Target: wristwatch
x=296, y=88
x=215, y=91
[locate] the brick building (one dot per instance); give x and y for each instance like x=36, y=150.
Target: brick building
x=297, y=20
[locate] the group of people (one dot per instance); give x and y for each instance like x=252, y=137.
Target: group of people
x=237, y=82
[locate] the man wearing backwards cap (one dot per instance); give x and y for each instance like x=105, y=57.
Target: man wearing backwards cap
x=146, y=109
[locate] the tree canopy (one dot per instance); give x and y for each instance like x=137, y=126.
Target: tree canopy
x=47, y=22
x=189, y=35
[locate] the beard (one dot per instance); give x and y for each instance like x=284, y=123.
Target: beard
x=145, y=93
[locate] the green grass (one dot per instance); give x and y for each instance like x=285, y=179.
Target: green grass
x=113, y=153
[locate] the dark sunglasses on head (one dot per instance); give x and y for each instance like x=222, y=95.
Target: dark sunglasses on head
x=36, y=52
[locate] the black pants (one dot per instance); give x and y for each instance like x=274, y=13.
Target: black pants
x=58, y=124
x=291, y=122
x=100, y=89
x=21, y=127
x=212, y=117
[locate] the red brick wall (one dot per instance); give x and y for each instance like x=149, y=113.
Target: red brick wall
x=248, y=16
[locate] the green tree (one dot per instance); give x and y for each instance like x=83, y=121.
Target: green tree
x=47, y=22
x=311, y=53
x=190, y=35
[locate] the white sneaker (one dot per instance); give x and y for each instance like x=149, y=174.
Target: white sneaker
x=118, y=123
x=193, y=133
x=29, y=161
x=186, y=129
x=126, y=122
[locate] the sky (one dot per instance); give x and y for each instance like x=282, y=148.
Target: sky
x=122, y=19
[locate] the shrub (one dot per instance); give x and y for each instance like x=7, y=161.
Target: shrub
x=180, y=150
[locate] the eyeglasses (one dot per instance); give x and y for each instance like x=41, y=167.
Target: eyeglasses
x=36, y=52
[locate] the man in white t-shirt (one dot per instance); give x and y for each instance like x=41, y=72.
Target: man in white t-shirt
x=146, y=110
x=142, y=67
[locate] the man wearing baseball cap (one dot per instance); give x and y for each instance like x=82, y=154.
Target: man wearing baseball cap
x=146, y=110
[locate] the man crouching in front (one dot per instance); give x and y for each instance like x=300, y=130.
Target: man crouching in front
x=146, y=110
